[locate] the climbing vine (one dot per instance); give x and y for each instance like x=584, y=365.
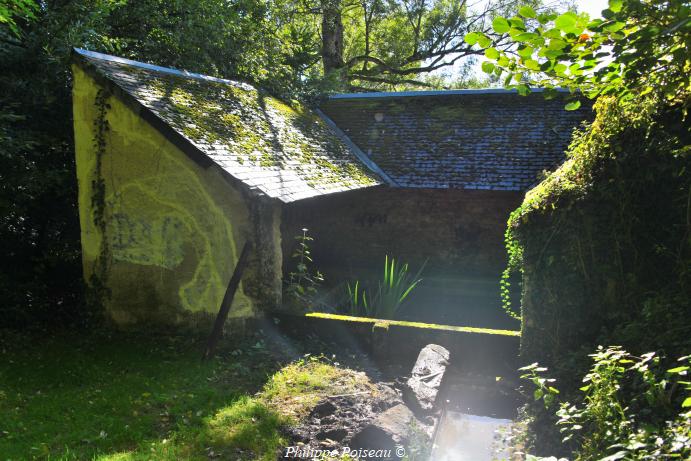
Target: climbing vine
x=98, y=186
x=97, y=289
x=604, y=250
x=513, y=267
x=605, y=238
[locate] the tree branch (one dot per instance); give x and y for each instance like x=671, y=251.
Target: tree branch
x=370, y=78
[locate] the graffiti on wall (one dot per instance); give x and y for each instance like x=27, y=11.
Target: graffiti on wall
x=370, y=219
x=156, y=243
x=170, y=227
x=181, y=230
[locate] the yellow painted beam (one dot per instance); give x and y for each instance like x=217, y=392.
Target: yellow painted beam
x=403, y=323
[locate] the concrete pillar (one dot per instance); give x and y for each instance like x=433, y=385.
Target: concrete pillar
x=263, y=281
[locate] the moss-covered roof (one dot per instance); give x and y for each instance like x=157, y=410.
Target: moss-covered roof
x=467, y=139
x=284, y=151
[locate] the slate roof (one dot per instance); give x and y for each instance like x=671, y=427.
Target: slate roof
x=469, y=139
x=283, y=151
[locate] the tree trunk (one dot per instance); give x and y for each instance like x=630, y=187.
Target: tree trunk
x=332, y=36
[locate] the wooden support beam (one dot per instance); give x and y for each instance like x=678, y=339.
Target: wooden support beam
x=227, y=302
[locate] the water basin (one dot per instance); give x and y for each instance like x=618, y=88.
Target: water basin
x=466, y=437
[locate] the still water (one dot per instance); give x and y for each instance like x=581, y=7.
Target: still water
x=465, y=437
x=477, y=421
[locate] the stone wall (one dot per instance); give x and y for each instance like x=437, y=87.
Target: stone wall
x=161, y=234
x=459, y=232
x=603, y=242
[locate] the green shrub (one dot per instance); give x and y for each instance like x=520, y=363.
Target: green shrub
x=630, y=407
x=304, y=280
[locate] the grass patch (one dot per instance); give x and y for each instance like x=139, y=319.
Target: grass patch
x=121, y=397
x=299, y=386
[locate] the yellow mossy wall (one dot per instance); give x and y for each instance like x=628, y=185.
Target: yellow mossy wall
x=172, y=230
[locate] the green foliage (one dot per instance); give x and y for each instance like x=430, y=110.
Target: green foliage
x=392, y=45
x=40, y=272
x=639, y=47
x=630, y=408
x=543, y=386
x=97, y=288
x=602, y=244
x=274, y=44
x=513, y=267
x=357, y=299
x=604, y=237
x=304, y=280
x=603, y=248
x=13, y=10
x=392, y=291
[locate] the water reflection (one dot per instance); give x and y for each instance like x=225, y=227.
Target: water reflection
x=465, y=437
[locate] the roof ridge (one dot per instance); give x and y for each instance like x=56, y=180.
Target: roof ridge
x=366, y=160
x=467, y=91
x=153, y=67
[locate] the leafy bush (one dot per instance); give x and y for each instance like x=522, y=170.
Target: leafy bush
x=304, y=281
x=602, y=244
x=390, y=294
x=630, y=407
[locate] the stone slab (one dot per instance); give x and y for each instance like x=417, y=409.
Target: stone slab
x=422, y=388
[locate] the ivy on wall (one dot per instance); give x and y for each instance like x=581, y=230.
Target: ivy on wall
x=603, y=249
x=603, y=244
x=97, y=287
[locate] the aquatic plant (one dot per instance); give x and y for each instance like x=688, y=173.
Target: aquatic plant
x=391, y=292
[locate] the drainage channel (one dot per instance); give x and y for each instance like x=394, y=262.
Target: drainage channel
x=476, y=420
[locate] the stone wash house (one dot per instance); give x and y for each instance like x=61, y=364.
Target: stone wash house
x=177, y=171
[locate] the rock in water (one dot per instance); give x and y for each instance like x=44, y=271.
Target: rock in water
x=422, y=387
x=395, y=427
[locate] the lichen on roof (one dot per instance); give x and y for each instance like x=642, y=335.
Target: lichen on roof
x=285, y=151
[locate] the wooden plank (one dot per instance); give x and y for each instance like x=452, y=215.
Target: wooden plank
x=227, y=302
x=405, y=323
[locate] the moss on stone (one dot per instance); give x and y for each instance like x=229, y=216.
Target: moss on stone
x=253, y=126
x=598, y=241
x=402, y=323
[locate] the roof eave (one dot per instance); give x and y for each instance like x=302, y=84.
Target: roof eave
x=426, y=93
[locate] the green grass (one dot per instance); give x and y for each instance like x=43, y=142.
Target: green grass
x=124, y=397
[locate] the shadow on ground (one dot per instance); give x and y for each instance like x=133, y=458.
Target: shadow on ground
x=116, y=396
